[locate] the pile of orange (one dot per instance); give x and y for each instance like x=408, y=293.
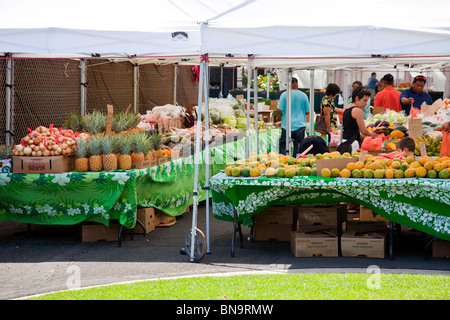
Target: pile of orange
x=373, y=167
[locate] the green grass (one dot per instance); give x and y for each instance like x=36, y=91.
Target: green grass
x=319, y=286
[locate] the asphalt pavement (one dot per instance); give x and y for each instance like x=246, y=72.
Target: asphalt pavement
x=51, y=258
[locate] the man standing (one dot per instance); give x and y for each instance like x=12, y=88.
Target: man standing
x=388, y=98
x=299, y=110
x=372, y=84
x=415, y=95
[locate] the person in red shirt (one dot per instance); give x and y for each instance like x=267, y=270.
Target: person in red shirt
x=388, y=98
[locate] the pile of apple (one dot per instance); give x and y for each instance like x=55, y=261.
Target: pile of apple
x=44, y=142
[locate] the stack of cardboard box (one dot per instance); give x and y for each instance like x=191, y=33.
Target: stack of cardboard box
x=318, y=228
x=364, y=239
x=274, y=223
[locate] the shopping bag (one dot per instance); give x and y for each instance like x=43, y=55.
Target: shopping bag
x=445, y=145
x=321, y=126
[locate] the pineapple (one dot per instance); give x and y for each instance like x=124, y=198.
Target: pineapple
x=123, y=122
x=109, y=157
x=94, y=122
x=95, y=159
x=73, y=122
x=132, y=120
x=138, y=142
x=125, y=149
x=82, y=157
x=157, y=138
x=119, y=123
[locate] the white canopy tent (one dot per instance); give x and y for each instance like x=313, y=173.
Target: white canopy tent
x=276, y=34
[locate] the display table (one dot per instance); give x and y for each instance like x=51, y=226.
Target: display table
x=418, y=203
x=74, y=197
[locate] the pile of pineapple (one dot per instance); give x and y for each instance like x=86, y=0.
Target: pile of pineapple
x=103, y=152
x=125, y=145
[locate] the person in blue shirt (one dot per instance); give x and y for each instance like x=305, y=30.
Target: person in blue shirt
x=299, y=110
x=415, y=95
x=372, y=85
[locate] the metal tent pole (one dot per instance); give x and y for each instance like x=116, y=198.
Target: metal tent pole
x=206, y=187
x=288, y=112
x=311, y=102
x=197, y=158
x=175, y=74
x=255, y=106
x=268, y=86
x=8, y=100
x=83, y=87
x=247, y=133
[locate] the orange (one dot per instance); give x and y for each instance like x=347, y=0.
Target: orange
x=396, y=165
x=359, y=164
x=389, y=174
x=438, y=167
x=345, y=173
x=325, y=172
x=420, y=172
x=428, y=165
x=423, y=160
x=410, y=160
x=335, y=172
x=399, y=174
x=255, y=172
x=351, y=166
x=410, y=173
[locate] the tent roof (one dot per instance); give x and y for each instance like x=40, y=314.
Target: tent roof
x=325, y=29
x=82, y=28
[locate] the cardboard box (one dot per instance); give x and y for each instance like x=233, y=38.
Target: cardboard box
x=441, y=249
x=164, y=159
x=314, y=241
x=164, y=220
x=333, y=163
x=366, y=226
x=277, y=215
x=53, y=164
x=333, y=216
x=272, y=232
x=144, y=164
x=363, y=244
x=92, y=232
x=365, y=214
x=147, y=217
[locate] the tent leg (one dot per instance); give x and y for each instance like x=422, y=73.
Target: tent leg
x=197, y=158
x=207, y=154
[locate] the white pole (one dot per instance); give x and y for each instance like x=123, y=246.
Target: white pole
x=247, y=133
x=255, y=105
x=288, y=112
x=83, y=87
x=135, y=87
x=206, y=187
x=175, y=74
x=197, y=157
x=8, y=101
x=268, y=83
x=311, y=103
x=221, y=82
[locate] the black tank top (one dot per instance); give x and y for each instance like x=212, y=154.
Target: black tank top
x=349, y=125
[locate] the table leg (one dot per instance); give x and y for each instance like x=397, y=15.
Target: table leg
x=391, y=240
x=119, y=241
x=236, y=227
x=234, y=231
x=427, y=248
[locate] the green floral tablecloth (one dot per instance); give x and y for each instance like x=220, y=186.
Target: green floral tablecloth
x=74, y=197
x=422, y=204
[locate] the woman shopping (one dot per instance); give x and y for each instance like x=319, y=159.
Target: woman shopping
x=353, y=126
